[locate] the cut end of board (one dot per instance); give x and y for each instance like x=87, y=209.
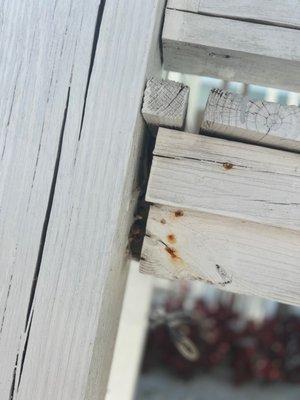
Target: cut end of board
x=165, y=103
x=237, y=117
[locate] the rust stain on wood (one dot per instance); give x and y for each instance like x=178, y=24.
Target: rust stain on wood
x=227, y=165
x=178, y=213
x=173, y=254
x=171, y=238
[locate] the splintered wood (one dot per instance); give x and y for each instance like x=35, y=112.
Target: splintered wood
x=260, y=122
x=165, y=103
x=224, y=212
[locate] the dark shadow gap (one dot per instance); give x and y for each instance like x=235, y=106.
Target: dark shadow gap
x=92, y=60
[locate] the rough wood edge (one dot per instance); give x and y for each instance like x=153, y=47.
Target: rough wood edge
x=260, y=122
x=165, y=103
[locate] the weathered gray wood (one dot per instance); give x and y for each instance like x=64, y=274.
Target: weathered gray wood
x=226, y=178
x=232, y=50
x=255, y=121
x=165, y=103
x=71, y=135
x=232, y=254
x=275, y=12
x=43, y=48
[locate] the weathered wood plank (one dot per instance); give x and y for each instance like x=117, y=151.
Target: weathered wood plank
x=232, y=254
x=43, y=48
x=227, y=178
x=165, y=103
x=72, y=135
x=275, y=12
x=255, y=121
x=232, y=50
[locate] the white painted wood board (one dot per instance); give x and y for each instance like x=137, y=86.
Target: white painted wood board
x=232, y=50
x=73, y=75
x=260, y=122
x=231, y=254
x=227, y=178
x=275, y=12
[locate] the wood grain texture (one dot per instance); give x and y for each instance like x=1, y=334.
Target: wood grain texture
x=226, y=178
x=275, y=12
x=73, y=74
x=232, y=254
x=165, y=103
x=255, y=121
x=42, y=50
x=232, y=50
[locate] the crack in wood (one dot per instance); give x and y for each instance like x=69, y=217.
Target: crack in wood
x=48, y=210
x=13, y=382
x=6, y=301
x=215, y=14
x=234, y=116
x=25, y=350
x=29, y=315
x=224, y=164
x=10, y=111
x=92, y=60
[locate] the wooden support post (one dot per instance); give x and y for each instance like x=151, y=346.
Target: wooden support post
x=165, y=103
x=260, y=122
x=224, y=212
x=73, y=74
x=233, y=50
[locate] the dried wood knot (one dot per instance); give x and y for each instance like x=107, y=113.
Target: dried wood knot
x=227, y=166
